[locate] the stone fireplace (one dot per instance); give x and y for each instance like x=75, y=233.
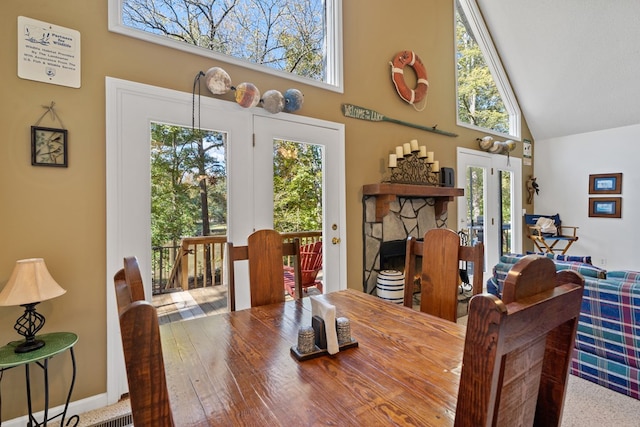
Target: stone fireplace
x=393, y=212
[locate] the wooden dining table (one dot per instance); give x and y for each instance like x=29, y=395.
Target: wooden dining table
x=237, y=368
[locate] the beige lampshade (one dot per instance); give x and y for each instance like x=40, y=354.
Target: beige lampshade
x=30, y=282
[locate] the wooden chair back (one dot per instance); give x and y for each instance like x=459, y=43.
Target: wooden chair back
x=140, y=333
x=310, y=262
x=518, y=350
x=310, y=266
x=265, y=250
x=440, y=271
x=128, y=283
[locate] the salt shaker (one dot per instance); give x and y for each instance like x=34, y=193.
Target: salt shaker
x=343, y=327
x=306, y=340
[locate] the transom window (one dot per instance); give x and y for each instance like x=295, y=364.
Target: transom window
x=485, y=100
x=297, y=39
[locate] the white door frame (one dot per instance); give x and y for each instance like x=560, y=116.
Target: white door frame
x=128, y=104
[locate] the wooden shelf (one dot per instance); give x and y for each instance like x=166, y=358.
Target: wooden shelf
x=387, y=192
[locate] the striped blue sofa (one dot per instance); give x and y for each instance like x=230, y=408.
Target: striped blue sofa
x=607, y=349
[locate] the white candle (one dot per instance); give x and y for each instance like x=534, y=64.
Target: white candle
x=423, y=152
x=414, y=145
x=406, y=148
x=399, y=152
x=436, y=166
x=393, y=160
x=430, y=157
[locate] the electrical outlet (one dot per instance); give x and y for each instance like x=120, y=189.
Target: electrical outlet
x=603, y=262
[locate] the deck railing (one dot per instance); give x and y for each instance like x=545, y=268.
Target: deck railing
x=199, y=261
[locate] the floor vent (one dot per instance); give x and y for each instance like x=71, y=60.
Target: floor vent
x=124, y=420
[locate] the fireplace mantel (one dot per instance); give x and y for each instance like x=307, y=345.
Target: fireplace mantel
x=387, y=192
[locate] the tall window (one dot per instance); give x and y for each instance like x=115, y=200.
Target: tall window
x=485, y=99
x=298, y=39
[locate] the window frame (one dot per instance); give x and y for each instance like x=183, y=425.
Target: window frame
x=483, y=38
x=334, y=59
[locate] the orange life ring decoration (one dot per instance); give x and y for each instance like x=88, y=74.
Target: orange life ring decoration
x=401, y=60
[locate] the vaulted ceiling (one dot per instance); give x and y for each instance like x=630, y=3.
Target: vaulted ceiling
x=573, y=64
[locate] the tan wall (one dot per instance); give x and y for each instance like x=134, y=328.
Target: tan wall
x=59, y=214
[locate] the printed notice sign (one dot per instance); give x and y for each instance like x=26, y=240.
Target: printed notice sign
x=526, y=152
x=48, y=53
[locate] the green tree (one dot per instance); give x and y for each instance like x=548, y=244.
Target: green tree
x=172, y=204
x=479, y=101
x=287, y=35
x=186, y=181
x=297, y=182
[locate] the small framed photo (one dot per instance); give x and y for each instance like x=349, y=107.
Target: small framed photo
x=605, y=207
x=605, y=183
x=48, y=147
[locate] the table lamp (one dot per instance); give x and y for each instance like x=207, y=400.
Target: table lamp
x=29, y=284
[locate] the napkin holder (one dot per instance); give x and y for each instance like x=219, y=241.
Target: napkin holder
x=320, y=335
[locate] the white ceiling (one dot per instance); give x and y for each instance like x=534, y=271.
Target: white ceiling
x=573, y=64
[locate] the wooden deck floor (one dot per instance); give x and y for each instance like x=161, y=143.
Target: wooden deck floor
x=181, y=305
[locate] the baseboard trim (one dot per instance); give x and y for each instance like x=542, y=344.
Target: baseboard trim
x=75, y=408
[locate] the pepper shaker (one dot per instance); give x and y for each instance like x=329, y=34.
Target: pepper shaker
x=306, y=340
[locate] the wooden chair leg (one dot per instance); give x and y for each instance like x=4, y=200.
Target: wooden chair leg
x=566, y=248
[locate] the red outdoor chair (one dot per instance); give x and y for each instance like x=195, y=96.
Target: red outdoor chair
x=310, y=264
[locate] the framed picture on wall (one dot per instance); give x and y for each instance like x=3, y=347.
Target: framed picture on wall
x=605, y=207
x=605, y=183
x=48, y=147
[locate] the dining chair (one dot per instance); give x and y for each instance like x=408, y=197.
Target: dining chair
x=128, y=283
x=142, y=348
x=439, y=273
x=310, y=266
x=517, y=350
x=265, y=250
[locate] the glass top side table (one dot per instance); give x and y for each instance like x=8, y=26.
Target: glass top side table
x=55, y=343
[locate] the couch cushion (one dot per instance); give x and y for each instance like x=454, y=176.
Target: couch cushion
x=624, y=275
x=610, y=321
x=560, y=257
x=501, y=270
x=587, y=270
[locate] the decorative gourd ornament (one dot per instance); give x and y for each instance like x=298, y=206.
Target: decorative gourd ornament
x=273, y=101
x=486, y=142
x=247, y=95
x=497, y=147
x=217, y=81
x=510, y=144
x=293, y=100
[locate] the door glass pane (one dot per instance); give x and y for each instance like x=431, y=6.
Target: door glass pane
x=297, y=186
x=188, y=199
x=506, y=209
x=297, y=205
x=475, y=193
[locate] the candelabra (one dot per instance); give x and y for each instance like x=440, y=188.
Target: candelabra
x=414, y=166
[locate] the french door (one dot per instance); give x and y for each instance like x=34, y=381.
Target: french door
x=131, y=109
x=490, y=211
x=269, y=130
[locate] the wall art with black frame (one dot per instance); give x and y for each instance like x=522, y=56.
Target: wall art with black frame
x=48, y=147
